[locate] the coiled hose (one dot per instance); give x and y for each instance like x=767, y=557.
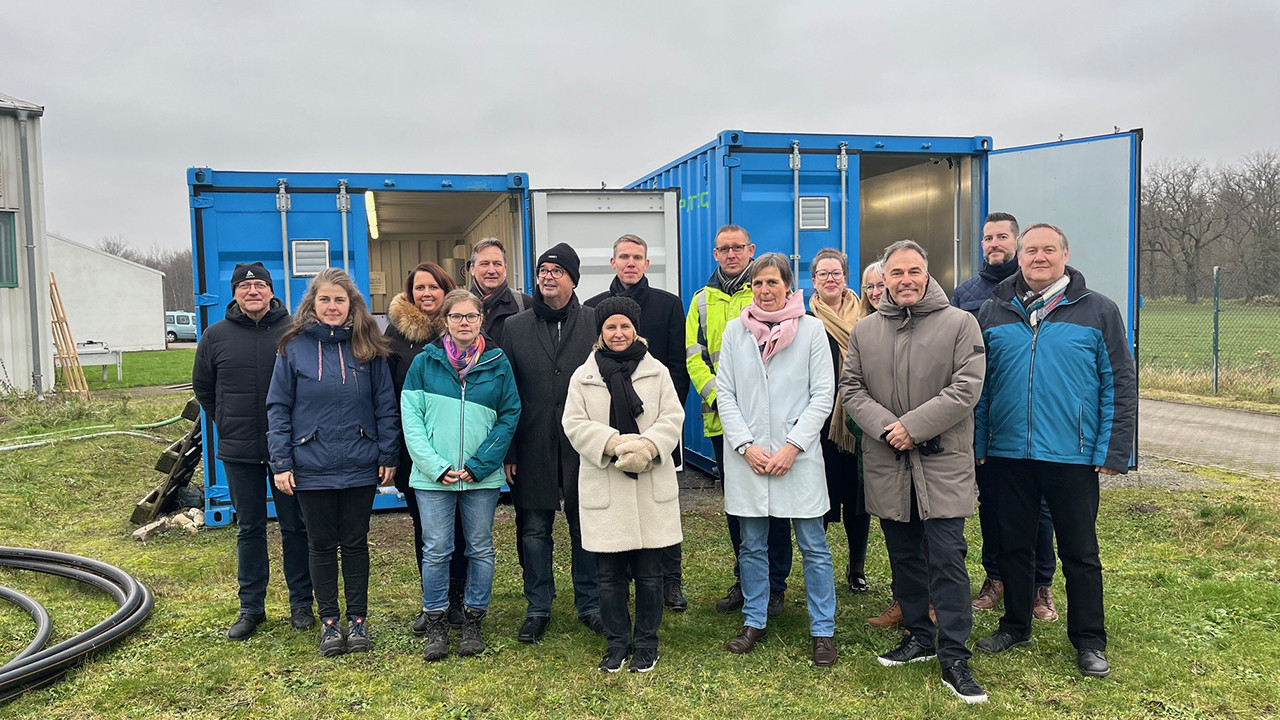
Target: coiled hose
x=36, y=665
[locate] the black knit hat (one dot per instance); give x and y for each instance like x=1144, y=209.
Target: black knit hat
x=617, y=305
x=249, y=271
x=565, y=257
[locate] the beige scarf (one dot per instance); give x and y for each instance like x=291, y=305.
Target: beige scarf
x=839, y=325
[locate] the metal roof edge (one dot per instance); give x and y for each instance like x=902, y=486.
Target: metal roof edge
x=12, y=105
x=100, y=251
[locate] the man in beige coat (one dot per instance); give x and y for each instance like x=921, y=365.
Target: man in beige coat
x=911, y=379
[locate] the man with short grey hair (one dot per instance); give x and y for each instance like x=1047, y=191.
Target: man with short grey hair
x=488, y=269
x=911, y=378
x=1049, y=434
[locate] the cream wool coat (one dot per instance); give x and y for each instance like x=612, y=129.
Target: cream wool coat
x=620, y=513
x=789, y=399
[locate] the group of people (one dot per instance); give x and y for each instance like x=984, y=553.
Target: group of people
x=895, y=402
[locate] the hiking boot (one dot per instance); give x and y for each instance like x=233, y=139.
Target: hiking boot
x=594, y=623
x=533, y=628
x=1093, y=663
x=746, y=639
x=958, y=678
x=614, y=659
x=732, y=600
x=437, y=645
x=644, y=660
x=301, y=618
x=891, y=617
x=989, y=595
x=472, y=642
x=420, y=625
x=1001, y=642
x=332, y=641
x=358, y=635
x=910, y=650
x=673, y=597
x=824, y=651
x=454, y=613
x=776, y=603
x=1042, y=607
x=245, y=625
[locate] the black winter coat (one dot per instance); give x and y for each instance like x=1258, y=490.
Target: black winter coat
x=231, y=375
x=501, y=306
x=661, y=324
x=409, y=330
x=542, y=375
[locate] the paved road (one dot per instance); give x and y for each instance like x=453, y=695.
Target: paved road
x=1231, y=439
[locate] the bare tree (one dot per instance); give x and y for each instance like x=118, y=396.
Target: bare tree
x=1251, y=196
x=1182, y=217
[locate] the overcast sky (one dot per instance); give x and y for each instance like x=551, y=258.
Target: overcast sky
x=576, y=93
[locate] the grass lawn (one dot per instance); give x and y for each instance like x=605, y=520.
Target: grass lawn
x=1193, y=602
x=1176, y=344
x=143, y=369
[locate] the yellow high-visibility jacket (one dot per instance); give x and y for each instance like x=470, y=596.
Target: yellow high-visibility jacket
x=709, y=312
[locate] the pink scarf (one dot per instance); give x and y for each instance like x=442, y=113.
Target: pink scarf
x=774, y=330
x=463, y=360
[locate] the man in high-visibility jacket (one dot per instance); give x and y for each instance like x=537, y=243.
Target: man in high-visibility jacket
x=725, y=295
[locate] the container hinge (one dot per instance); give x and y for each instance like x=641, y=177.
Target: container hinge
x=730, y=161
x=795, y=154
x=282, y=197
x=344, y=200
x=205, y=300
x=200, y=202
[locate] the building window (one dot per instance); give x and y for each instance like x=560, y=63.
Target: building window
x=8, y=251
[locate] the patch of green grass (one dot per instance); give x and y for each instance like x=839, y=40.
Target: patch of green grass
x=1192, y=588
x=1176, y=349
x=143, y=369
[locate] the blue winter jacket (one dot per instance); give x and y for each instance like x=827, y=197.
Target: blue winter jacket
x=970, y=294
x=331, y=420
x=1066, y=392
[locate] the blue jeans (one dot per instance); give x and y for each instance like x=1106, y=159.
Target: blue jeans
x=248, y=485
x=438, y=508
x=779, y=534
x=819, y=580
x=533, y=530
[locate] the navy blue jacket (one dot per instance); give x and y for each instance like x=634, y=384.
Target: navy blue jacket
x=1066, y=392
x=970, y=294
x=332, y=421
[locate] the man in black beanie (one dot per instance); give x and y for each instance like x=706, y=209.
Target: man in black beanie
x=661, y=324
x=232, y=370
x=545, y=344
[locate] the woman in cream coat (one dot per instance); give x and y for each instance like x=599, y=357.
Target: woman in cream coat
x=624, y=418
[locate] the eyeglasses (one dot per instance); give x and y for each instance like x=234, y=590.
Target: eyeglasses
x=869, y=287
x=259, y=286
x=730, y=249
x=829, y=274
x=554, y=271
x=459, y=317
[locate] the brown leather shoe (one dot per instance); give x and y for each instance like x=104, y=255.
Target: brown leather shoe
x=890, y=617
x=990, y=594
x=824, y=651
x=746, y=639
x=1042, y=607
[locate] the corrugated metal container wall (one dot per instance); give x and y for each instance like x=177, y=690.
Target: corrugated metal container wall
x=15, y=305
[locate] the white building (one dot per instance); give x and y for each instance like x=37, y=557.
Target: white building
x=107, y=298
x=26, y=336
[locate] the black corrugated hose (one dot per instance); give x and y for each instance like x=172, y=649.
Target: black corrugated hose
x=34, y=666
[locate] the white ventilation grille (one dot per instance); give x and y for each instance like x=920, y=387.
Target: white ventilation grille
x=815, y=213
x=310, y=257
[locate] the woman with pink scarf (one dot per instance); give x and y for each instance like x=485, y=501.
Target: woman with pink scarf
x=776, y=388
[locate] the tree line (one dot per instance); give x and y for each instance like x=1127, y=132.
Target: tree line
x=1195, y=217
x=175, y=264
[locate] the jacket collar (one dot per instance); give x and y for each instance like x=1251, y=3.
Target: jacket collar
x=415, y=325
x=275, y=313
x=1007, y=290
x=934, y=299
x=647, y=367
x=328, y=333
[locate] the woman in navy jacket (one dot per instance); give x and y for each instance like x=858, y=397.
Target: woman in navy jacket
x=333, y=433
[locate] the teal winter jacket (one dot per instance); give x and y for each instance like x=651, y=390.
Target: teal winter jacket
x=449, y=424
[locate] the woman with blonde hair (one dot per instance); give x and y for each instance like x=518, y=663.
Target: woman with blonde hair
x=333, y=433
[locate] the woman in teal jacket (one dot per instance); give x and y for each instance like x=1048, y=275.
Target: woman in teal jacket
x=459, y=410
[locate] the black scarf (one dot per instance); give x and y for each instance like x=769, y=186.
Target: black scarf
x=496, y=298
x=729, y=285
x=995, y=273
x=545, y=312
x=624, y=404
x=635, y=292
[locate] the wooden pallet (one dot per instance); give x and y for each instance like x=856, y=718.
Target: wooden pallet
x=178, y=464
x=67, y=358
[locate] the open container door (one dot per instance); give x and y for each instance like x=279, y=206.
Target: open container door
x=1088, y=187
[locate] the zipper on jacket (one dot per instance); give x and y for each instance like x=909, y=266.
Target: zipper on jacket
x=462, y=427
x=1080, y=426
x=1031, y=376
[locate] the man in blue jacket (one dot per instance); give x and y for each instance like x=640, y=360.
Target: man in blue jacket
x=1058, y=408
x=1000, y=261
x=230, y=378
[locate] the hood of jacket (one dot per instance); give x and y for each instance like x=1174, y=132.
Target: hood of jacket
x=415, y=325
x=275, y=313
x=934, y=299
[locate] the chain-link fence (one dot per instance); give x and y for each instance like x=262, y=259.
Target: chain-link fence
x=1224, y=346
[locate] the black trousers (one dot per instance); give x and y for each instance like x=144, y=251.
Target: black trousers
x=339, y=519
x=1072, y=494
x=989, y=520
x=614, y=572
x=939, y=577
x=780, y=555
x=848, y=505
